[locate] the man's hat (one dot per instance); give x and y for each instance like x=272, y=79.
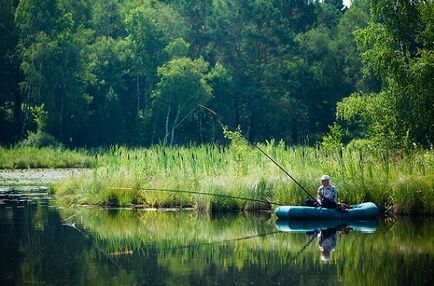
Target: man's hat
x=325, y=177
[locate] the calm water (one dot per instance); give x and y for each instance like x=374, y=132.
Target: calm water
x=44, y=244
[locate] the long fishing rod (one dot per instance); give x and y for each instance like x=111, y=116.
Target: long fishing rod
x=199, y=193
x=263, y=152
x=179, y=123
x=281, y=168
x=303, y=248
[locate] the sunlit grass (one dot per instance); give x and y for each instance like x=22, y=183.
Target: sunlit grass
x=402, y=182
x=32, y=157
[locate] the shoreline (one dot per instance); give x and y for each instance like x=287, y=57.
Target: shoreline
x=38, y=177
x=397, y=183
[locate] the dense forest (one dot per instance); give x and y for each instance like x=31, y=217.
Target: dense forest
x=102, y=72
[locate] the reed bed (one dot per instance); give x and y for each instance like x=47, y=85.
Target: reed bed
x=398, y=181
x=32, y=157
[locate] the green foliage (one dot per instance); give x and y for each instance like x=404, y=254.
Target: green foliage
x=181, y=88
x=40, y=117
x=23, y=157
x=374, y=114
x=178, y=48
x=399, y=181
x=272, y=62
x=278, y=68
x=39, y=139
x=238, y=141
x=10, y=98
x=395, y=49
x=333, y=139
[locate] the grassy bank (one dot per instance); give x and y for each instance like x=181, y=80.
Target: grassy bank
x=400, y=181
x=31, y=157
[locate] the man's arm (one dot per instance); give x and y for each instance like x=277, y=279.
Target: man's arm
x=335, y=194
x=319, y=195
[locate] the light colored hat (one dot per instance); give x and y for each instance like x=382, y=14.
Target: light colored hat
x=325, y=177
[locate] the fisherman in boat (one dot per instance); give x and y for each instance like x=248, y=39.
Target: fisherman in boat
x=327, y=195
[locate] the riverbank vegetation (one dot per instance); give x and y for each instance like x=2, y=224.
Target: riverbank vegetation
x=401, y=181
x=32, y=157
x=356, y=81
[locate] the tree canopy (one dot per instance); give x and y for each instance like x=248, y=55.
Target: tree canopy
x=129, y=71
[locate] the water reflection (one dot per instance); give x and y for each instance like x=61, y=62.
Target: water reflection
x=325, y=231
x=83, y=246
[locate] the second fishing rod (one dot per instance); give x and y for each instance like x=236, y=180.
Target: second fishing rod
x=223, y=126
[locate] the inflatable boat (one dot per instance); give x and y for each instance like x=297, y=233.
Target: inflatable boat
x=360, y=211
x=297, y=225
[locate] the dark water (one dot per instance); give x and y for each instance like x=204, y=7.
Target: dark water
x=44, y=244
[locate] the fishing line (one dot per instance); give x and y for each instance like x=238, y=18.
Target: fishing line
x=201, y=193
x=303, y=248
x=263, y=152
x=179, y=123
x=217, y=117
x=281, y=168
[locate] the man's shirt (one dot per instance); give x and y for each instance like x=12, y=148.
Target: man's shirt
x=329, y=193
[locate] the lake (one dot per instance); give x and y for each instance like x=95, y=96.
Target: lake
x=42, y=243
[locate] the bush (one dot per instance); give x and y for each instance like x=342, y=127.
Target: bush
x=40, y=139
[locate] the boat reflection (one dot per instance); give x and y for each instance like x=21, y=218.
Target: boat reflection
x=325, y=231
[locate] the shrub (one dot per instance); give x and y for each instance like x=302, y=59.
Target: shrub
x=40, y=139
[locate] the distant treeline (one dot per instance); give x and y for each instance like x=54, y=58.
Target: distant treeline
x=103, y=72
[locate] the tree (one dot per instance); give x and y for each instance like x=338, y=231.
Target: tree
x=107, y=18
x=350, y=61
x=109, y=90
x=10, y=97
x=181, y=88
x=276, y=68
x=50, y=63
x=397, y=47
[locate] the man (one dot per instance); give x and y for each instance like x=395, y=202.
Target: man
x=327, y=195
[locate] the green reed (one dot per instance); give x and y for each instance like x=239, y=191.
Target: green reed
x=402, y=182
x=32, y=157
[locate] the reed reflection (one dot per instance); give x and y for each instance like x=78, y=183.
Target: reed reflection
x=325, y=231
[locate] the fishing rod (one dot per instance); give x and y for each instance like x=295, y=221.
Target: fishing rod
x=227, y=196
x=199, y=193
x=263, y=152
x=281, y=168
x=179, y=123
x=303, y=248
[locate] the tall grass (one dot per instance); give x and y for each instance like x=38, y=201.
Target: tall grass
x=398, y=181
x=32, y=157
